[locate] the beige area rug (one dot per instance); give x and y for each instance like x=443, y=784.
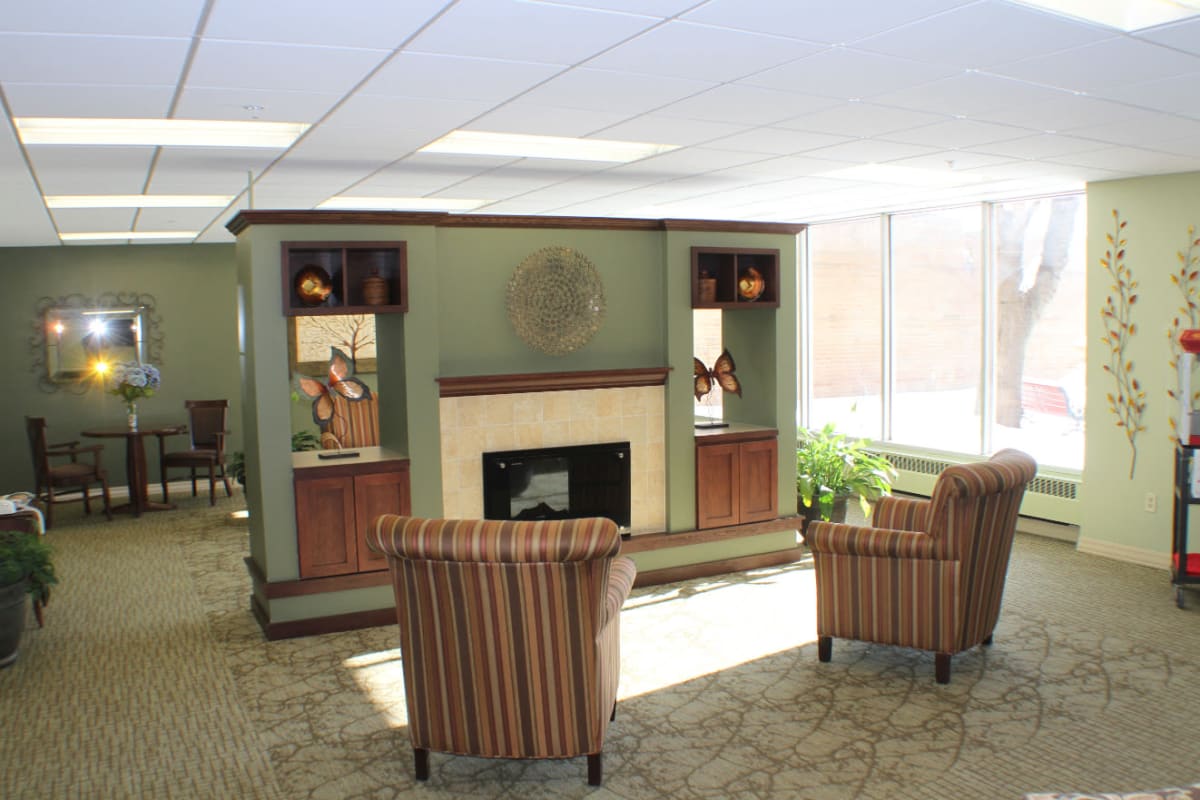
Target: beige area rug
x=151, y=679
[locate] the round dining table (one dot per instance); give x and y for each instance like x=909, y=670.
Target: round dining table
x=135, y=464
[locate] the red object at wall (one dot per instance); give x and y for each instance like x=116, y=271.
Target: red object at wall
x=1190, y=340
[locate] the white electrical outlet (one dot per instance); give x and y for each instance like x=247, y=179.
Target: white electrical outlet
x=1151, y=503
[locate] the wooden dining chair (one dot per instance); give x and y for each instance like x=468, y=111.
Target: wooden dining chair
x=206, y=428
x=56, y=483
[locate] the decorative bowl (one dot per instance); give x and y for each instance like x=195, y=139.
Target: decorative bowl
x=751, y=284
x=313, y=285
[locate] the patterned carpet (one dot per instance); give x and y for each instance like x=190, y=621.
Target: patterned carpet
x=152, y=680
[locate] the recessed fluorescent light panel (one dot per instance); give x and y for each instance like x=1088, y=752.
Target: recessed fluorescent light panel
x=138, y=200
x=401, y=203
x=519, y=145
x=111, y=236
x=156, y=132
x=1126, y=15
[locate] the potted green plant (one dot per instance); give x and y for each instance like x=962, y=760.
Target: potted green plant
x=25, y=569
x=831, y=468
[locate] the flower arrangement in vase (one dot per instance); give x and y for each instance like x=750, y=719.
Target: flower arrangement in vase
x=133, y=381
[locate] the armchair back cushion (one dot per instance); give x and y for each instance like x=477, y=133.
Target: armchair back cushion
x=509, y=631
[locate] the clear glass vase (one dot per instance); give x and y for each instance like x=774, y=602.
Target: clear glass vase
x=131, y=408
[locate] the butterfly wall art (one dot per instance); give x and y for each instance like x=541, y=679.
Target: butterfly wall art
x=341, y=381
x=721, y=375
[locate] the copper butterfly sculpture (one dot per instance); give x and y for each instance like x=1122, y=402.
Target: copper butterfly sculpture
x=341, y=381
x=721, y=373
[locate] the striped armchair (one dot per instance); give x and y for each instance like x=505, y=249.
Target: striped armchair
x=509, y=634
x=355, y=423
x=929, y=573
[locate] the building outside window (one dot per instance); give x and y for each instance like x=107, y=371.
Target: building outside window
x=957, y=330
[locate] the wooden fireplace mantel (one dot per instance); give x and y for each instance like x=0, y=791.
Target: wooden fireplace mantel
x=470, y=385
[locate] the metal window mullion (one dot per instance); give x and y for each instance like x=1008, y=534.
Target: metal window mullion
x=887, y=377
x=987, y=332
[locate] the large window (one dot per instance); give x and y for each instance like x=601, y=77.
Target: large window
x=958, y=330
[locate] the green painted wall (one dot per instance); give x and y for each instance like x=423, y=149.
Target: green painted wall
x=194, y=288
x=474, y=268
x=1158, y=211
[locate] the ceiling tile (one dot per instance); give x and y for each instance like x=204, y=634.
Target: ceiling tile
x=687, y=162
x=195, y=170
x=683, y=50
x=776, y=141
x=606, y=90
x=174, y=219
x=985, y=34
x=135, y=17
x=1100, y=66
x=403, y=113
x=1180, y=35
x=24, y=220
x=371, y=144
x=456, y=77
x=859, y=119
x=531, y=31
x=1176, y=95
x=272, y=105
x=832, y=23
x=1136, y=127
x=1042, y=145
x=746, y=104
x=848, y=74
x=970, y=94
x=653, y=8
x=117, y=60
x=1135, y=160
x=522, y=117
x=672, y=130
x=245, y=65
x=71, y=169
x=954, y=159
x=339, y=24
x=956, y=133
x=865, y=151
x=73, y=100
x=1059, y=112
x=91, y=220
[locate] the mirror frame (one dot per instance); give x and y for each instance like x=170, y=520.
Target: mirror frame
x=148, y=350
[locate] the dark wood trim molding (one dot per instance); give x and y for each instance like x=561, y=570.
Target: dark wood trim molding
x=299, y=588
x=317, y=625
x=469, y=385
x=244, y=219
x=671, y=574
x=640, y=543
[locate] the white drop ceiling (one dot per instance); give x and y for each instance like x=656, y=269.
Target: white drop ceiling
x=765, y=98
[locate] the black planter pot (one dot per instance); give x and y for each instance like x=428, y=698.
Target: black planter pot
x=12, y=620
x=813, y=513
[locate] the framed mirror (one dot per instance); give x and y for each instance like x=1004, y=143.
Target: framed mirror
x=75, y=333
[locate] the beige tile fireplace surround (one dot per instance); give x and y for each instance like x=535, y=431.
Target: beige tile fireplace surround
x=476, y=424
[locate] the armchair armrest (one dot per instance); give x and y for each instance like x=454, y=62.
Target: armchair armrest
x=620, y=583
x=901, y=513
x=63, y=450
x=854, y=540
x=61, y=445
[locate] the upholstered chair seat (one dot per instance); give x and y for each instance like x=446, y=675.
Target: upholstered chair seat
x=509, y=634
x=927, y=574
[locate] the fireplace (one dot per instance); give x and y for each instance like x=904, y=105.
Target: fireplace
x=590, y=480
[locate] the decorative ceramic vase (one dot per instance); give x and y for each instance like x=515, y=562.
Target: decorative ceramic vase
x=708, y=290
x=375, y=290
x=131, y=408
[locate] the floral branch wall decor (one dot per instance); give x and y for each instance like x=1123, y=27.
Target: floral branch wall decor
x=1187, y=281
x=1128, y=403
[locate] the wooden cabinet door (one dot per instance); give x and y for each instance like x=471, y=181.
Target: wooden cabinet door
x=758, y=490
x=716, y=485
x=375, y=494
x=325, y=526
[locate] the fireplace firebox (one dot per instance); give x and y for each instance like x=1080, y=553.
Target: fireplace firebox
x=558, y=483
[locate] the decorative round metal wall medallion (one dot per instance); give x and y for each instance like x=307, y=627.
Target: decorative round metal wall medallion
x=556, y=300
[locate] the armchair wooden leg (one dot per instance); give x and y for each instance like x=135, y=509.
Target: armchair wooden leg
x=212, y=485
x=193, y=471
x=225, y=480
x=421, y=762
x=613, y=715
x=87, y=499
x=824, y=648
x=941, y=667
x=988, y=641
x=105, y=495
x=166, y=494
x=595, y=768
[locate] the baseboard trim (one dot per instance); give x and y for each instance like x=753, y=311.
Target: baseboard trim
x=708, y=568
x=1124, y=552
x=314, y=626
